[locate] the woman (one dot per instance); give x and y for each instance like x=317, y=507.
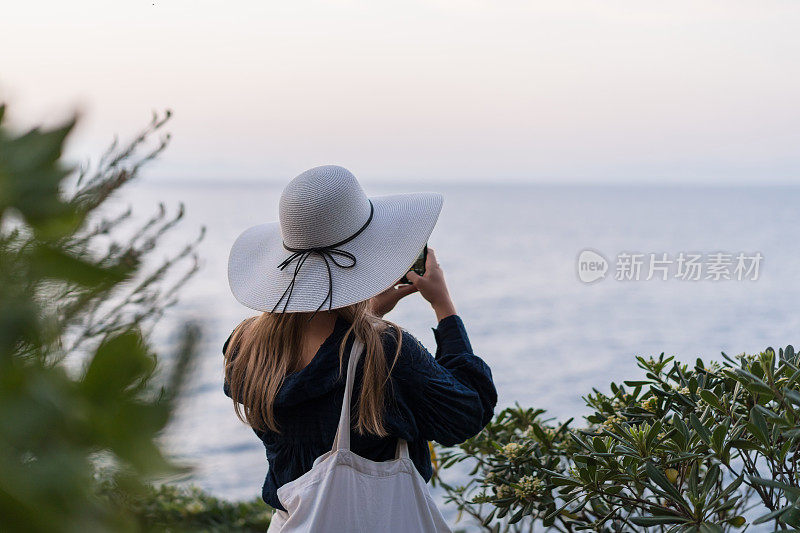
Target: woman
x=324, y=276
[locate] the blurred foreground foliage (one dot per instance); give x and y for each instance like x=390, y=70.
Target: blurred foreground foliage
x=711, y=448
x=179, y=509
x=79, y=385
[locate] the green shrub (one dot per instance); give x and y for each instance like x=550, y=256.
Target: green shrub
x=173, y=508
x=707, y=448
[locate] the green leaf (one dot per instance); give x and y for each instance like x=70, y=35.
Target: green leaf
x=711, y=399
x=772, y=515
x=788, y=353
x=792, y=396
x=540, y=434
x=488, y=519
x=766, y=412
x=753, y=383
x=743, y=444
x=652, y=434
x=119, y=363
x=55, y=263
x=517, y=516
x=792, y=493
x=758, y=427
x=701, y=430
x=657, y=520
x=30, y=181
x=718, y=437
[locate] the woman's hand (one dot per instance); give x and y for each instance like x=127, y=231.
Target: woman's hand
x=433, y=288
x=384, y=302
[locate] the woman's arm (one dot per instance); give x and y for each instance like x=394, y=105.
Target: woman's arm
x=431, y=285
x=433, y=288
x=450, y=397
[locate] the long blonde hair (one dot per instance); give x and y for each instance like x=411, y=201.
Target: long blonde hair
x=265, y=348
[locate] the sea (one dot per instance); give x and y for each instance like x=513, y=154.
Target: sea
x=560, y=288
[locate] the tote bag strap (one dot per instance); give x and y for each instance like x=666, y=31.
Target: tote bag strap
x=401, y=452
x=342, y=439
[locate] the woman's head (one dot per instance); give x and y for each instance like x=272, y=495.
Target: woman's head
x=333, y=246
x=265, y=348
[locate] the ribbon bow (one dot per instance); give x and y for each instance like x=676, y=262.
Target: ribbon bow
x=329, y=255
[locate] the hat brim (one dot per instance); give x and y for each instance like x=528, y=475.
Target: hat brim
x=384, y=252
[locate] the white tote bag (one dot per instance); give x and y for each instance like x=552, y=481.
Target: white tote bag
x=346, y=493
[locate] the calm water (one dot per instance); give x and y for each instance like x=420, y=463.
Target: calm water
x=509, y=253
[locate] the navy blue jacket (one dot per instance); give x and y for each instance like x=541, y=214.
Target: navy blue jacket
x=447, y=399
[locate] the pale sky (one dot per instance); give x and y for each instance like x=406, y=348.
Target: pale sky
x=558, y=91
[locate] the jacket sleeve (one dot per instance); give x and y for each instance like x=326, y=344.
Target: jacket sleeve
x=451, y=397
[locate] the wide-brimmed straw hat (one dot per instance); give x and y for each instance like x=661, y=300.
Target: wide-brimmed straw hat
x=333, y=246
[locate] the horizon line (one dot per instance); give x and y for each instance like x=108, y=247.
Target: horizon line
x=261, y=182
